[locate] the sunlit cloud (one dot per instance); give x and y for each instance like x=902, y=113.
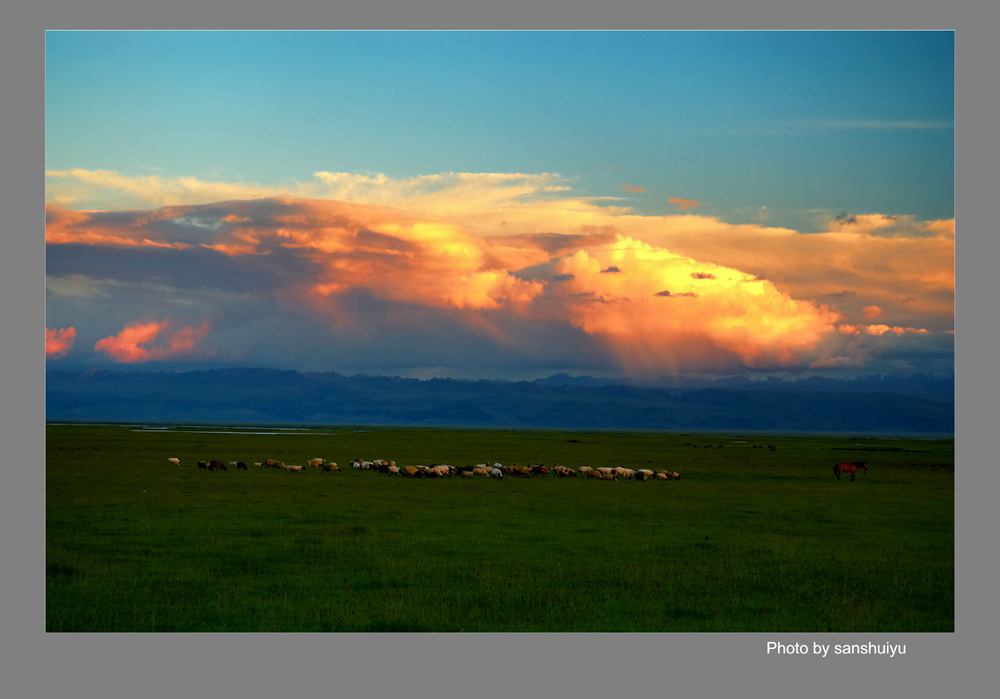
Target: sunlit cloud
x=685, y=204
x=633, y=188
x=725, y=314
x=878, y=329
x=58, y=342
x=495, y=252
x=128, y=345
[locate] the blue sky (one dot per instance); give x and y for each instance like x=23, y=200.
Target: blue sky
x=793, y=121
x=590, y=202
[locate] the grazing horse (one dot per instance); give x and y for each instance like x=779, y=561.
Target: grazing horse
x=850, y=467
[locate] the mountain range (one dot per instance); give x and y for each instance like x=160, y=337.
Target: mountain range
x=914, y=405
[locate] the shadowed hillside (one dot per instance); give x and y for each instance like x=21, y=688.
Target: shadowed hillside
x=268, y=396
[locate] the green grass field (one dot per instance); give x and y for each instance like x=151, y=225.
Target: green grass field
x=748, y=540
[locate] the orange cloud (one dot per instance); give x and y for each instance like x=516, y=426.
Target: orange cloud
x=59, y=342
x=126, y=346
x=82, y=227
x=667, y=291
x=633, y=188
x=662, y=309
x=685, y=204
x=879, y=329
x=394, y=256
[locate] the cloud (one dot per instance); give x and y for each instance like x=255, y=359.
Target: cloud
x=888, y=226
x=731, y=317
x=887, y=349
x=887, y=124
x=632, y=188
x=127, y=345
x=878, y=329
x=486, y=257
x=685, y=204
x=59, y=342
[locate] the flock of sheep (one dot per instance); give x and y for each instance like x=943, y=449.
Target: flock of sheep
x=496, y=470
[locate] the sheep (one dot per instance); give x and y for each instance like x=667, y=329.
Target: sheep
x=496, y=473
x=315, y=463
x=330, y=467
x=480, y=472
x=174, y=460
x=240, y=466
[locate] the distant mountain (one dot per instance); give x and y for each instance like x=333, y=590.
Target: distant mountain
x=920, y=405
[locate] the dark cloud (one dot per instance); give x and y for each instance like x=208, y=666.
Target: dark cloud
x=382, y=241
x=690, y=294
x=559, y=243
x=190, y=269
x=845, y=294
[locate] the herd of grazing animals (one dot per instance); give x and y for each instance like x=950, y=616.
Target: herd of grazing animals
x=496, y=470
x=486, y=470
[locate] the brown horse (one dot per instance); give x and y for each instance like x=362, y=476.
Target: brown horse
x=850, y=467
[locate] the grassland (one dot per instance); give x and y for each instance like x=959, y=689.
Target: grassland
x=748, y=540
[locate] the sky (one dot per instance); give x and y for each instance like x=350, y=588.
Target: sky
x=502, y=205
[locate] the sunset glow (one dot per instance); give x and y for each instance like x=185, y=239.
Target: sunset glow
x=427, y=258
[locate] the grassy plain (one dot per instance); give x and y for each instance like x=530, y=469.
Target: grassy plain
x=748, y=540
